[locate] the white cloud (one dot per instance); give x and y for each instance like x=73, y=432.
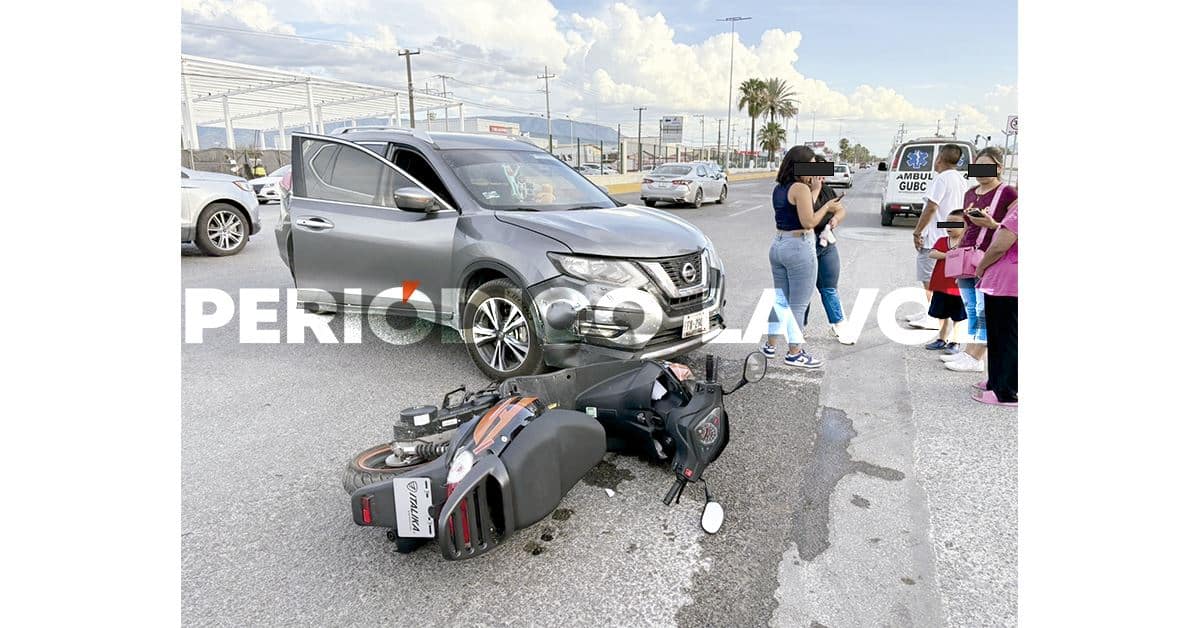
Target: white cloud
x=607, y=61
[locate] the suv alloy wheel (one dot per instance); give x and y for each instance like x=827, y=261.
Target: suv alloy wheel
x=499, y=331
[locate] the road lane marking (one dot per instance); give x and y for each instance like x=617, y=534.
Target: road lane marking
x=745, y=210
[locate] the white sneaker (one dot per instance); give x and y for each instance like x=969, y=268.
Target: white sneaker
x=952, y=357
x=839, y=332
x=928, y=322
x=915, y=317
x=967, y=364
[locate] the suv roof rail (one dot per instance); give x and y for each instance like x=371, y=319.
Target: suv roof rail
x=417, y=133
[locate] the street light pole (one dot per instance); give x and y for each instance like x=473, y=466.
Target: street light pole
x=729, y=108
x=701, y=116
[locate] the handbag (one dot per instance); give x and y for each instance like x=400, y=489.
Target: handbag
x=963, y=261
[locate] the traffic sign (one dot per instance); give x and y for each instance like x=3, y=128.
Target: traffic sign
x=1011, y=127
x=672, y=130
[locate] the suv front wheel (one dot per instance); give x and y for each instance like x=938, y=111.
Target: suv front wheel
x=499, y=331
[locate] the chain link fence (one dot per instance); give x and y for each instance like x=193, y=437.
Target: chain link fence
x=238, y=162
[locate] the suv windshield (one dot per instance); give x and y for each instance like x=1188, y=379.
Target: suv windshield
x=672, y=170
x=523, y=179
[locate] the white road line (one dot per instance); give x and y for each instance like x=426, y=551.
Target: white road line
x=745, y=210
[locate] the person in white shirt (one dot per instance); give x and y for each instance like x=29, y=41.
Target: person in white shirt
x=944, y=195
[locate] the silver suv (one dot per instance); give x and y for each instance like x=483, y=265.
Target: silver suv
x=532, y=263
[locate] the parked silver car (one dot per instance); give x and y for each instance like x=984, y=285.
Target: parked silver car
x=219, y=212
x=692, y=183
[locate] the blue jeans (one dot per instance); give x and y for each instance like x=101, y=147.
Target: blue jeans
x=829, y=266
x=973, y=302
x=794, y=270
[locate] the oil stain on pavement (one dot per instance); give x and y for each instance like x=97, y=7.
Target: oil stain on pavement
x=829, y=463
x=607, y=475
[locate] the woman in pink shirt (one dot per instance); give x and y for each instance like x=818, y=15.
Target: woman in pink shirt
x=998, y=281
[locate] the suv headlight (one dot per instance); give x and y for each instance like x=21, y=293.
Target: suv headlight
x=600, y=270
x=714, y=260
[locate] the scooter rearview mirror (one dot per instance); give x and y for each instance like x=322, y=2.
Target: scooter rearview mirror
x=713, y=517
x=755, y=367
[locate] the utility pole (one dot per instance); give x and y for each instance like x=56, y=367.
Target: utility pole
x=546, y=75
x=954, y=133
x=412, y=114
x=813, y=138
x=701, y=116
x=939, y=128
x=445, y=107
x=729, y=108
x=639, y=141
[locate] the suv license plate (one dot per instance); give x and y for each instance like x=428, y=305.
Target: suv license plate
x=413, y=502
x=695, y=323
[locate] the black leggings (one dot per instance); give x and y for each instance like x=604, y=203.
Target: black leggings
x=1001, y=322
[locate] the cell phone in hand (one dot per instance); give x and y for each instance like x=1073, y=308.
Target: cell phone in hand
x=975, y=213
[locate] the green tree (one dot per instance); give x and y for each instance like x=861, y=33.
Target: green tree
x=778, y=99
x=752, y=99
x=773, y=136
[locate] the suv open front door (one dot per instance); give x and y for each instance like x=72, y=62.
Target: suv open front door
x=347, y=232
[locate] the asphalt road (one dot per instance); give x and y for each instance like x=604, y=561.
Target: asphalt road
x=872, y=493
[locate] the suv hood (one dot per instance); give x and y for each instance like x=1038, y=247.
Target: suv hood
x=629, y=231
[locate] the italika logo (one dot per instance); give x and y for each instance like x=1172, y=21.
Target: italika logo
x=917, y=159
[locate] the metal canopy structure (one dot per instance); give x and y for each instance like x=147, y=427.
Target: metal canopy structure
x=234, y=95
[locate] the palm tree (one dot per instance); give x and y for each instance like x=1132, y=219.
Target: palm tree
x=773, y=136
x=751, y=98
x=778, y=99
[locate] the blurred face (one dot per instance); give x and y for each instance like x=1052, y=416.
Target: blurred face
x=957, y=231
x=811, y=181
x=984, y=159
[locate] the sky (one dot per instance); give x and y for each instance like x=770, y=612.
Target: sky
x=858, y=68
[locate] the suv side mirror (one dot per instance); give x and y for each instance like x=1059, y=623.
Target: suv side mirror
x=883, y=166
x=414, y=199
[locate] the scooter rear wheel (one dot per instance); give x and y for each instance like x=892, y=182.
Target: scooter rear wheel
x=368, y=467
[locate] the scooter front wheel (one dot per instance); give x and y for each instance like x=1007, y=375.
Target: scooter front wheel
x=369, y=467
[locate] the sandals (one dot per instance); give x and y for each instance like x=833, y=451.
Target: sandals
x=988, y=397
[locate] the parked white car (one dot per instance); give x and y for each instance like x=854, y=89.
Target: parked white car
x=267, y=188
x=841, y=176
x=692, y=183
x=219, y=212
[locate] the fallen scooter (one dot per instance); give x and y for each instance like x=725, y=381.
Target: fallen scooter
x=471, y=472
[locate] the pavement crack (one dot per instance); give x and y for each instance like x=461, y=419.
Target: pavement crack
x=829, y=463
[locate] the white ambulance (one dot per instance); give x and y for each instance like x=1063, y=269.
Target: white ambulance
x=910, y=172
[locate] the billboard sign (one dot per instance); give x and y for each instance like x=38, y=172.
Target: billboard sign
x=672, y=129
x=816, y=144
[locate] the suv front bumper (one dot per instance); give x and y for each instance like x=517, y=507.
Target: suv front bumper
x=574, y=347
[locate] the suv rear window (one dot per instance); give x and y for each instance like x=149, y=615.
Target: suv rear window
x=840, y=169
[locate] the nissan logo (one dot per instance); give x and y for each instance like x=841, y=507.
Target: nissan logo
x=688, y=272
